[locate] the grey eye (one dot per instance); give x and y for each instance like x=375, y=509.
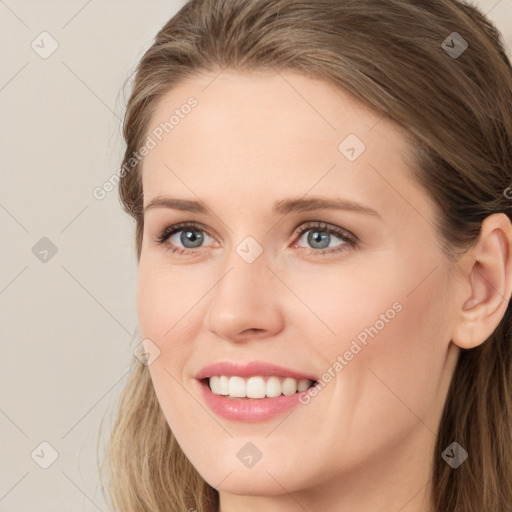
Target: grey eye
x=190, y=238
x=319, y=238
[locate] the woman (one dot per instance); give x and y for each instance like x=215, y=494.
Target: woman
x=324, y=244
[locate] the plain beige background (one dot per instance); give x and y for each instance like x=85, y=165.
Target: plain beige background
x=68, y=317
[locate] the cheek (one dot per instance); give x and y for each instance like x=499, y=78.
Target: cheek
x=166, y=299
x=392, y=337
x=167, y=316
x=399, y=370
x=149, y=300
x=390, y=312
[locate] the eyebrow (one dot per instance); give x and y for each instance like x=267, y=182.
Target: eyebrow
x=280, y=207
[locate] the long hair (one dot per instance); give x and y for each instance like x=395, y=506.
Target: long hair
x=393, y=55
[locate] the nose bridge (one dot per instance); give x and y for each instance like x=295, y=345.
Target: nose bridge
x=244, y=273
x=242, y=299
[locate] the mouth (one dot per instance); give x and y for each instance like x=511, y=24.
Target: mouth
x=254, y=391
x=256, y=387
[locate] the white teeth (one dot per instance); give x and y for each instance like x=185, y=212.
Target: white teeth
x=289, y=387
x=273, y=387
x=303, y=384
x=224, y=385
x=237, y=387
x=257, y=387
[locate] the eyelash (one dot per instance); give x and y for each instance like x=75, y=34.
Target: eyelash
x=350, y=240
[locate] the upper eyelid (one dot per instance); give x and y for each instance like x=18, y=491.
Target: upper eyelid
x=322, y=225
x=182, y=226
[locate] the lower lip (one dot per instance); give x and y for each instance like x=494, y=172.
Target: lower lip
x=248, y=410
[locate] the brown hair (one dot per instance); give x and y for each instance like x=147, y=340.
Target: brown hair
x=458, y=112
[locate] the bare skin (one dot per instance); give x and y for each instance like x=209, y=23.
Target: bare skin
x=366, y=441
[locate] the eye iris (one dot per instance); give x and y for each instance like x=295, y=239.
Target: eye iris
x=191, y=236
x=315, y=237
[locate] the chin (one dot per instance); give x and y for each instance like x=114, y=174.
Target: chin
x=263, y=479
x=245, y=483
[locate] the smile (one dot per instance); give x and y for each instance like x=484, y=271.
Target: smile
x=253, y=391
x=257, y=387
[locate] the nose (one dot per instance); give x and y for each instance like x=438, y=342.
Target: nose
x=245, y=302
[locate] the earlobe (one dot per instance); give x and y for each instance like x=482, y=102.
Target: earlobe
x=490, y=281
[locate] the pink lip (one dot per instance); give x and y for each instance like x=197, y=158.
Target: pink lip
x=247, y=409
x=251, y=369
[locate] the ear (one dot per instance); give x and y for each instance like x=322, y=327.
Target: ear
x=488, y=275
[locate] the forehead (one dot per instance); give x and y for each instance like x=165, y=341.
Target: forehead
x=253, y=136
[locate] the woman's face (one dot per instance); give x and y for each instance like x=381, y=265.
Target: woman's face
x=356, y=298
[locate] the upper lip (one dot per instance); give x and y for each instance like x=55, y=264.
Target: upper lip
x=253, y=368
